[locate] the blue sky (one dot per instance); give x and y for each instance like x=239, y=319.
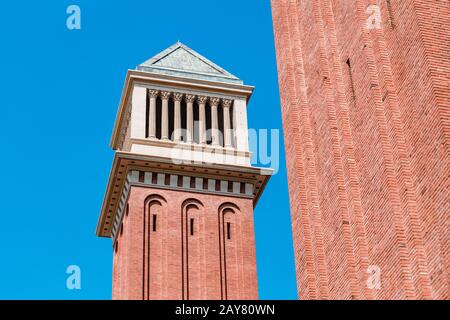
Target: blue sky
x=59, y=94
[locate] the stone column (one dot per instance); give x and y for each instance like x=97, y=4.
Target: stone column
x=189, y=117
x=202, y=119
x=214, y=102
x=165, y=115
x=227, y=132
x=177, y=116
x=153, y=94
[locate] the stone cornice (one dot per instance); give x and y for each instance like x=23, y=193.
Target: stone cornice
x=191, y=146
x=124, y=162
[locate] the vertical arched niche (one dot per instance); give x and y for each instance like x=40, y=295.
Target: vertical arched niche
x=155, y=211
x=228, y=234
x=191, y=248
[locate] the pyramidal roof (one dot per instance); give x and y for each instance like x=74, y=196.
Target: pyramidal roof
x=180, y=60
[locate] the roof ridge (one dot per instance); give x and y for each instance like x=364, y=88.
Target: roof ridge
x=196, y=67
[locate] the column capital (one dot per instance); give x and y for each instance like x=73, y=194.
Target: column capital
x=189, y=98
x=153, y=93
x=177, y=96
x=214, y=101
x=165, y=95
x=202, y=99
x=226, y=103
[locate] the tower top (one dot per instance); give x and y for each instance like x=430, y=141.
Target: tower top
x=181, y=125
x=180, y=60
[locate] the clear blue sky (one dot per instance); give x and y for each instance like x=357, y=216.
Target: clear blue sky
x=59, y=93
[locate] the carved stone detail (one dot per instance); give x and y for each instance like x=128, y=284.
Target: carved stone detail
x=214, y=101
x=165, y=94
x=227, y=103
x=177, y=96
x=189, y=97
x=153, y=93
x=202, y=99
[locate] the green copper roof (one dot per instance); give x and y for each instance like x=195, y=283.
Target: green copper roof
x=180, y=60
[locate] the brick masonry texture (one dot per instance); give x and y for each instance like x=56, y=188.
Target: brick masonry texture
x=366, y=117
x=177, y=245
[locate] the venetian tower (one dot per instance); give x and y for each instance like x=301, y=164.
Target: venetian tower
x=181, y=192
x=364, y=89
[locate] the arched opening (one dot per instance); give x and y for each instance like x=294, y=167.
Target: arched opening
x=158, y=117
x=192, y=249
x=183, y=107
x=171, y=107
x=233, y=143
x=228, y=229
x=196, y=122
x=152, y=245
x=220, y=125
x=208, y=123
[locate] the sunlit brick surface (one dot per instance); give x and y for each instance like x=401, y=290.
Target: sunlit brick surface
x=367, y=135
x=159, y=258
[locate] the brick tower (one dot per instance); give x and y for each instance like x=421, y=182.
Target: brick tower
x=181, y=192
x=366, y=115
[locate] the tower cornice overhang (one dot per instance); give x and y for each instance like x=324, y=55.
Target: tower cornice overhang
x=124, y=162
x=174, y=82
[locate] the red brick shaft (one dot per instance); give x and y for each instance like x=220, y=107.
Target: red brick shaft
x=366, y=116
x=172, y=263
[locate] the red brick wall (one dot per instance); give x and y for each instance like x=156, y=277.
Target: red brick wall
x=204, y=265
x=366, y=118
